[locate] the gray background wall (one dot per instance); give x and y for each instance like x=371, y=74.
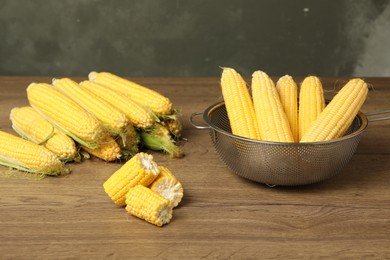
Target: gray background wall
x=195, y=37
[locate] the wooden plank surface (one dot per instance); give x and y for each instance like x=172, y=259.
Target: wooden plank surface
x=221, y=216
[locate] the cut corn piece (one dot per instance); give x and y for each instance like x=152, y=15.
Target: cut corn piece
x=140, y=169
x=65, y=114
x=114, y=120
x=27, y=156
x=148, y=205
x=272, y=119
x=288, y=94
x=29, y=124
x=158, y=103
x=167, y=185
x=239, y=105
x=138, y=115
x=339, y=113
x=108, y=150
x=311, y=103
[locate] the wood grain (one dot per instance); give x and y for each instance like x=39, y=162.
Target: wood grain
x=221, y=216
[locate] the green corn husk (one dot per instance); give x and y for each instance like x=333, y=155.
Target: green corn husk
x=159, y=138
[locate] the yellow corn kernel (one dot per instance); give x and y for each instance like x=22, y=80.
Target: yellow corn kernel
x=272, y=119
x=148, y=205
x=339, y=113
x=239, y=105
x=140, y=169
x=29, y=124
x=311, y=103
x=158, y=103
x=108, y=150
x=114, y=120
x=167, y=185
x=139, y=116
x=27, y=156
x=65, y=114
x=288, y=94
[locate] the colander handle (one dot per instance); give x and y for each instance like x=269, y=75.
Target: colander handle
x=195, y=114
x=371, y=116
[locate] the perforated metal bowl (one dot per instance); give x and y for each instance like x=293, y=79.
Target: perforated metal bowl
x=276, y=163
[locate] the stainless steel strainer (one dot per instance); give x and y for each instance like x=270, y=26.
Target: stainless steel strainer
x=274, y=163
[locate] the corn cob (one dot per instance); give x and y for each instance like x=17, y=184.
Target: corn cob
x=114, y=120
x=167, y=185
x=139, y=116
x=148, y=205
x=140, y=169
x=159, y=138
x=33, y=127
x=272, y=119
x=288, y=94
x=239, y=105
x=108, y=150
x=65, y=114
x=158, y=103
x=339, y=113
x=311, y=103
x=27, y=156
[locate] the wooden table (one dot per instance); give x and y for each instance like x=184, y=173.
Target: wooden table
x=222, y=215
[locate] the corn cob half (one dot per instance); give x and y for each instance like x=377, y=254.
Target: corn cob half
x=272, y=120
x=239, y=105
x=167, y=185
x=65, y=114
x=158, y=103
x=140, y=169
x=29, y=124
x=146, y=204
x=27, y=156
x=338, y=115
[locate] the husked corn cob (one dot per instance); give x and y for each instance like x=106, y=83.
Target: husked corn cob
x=27, y=156
x=108, y=150
x=148, y=205
x=272, y=119
x=29, y=124
x=239, y=105
x=114, y=120
x=158, y=103
x=288, y=94
x=139, y=116
x=311, y=103
x=66, y=114
x=140, y=169
x=338, y=115
x=168, y=186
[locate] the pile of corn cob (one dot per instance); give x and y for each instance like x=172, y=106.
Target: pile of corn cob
x=148, y=191
x=107, y=116
x=272, y=111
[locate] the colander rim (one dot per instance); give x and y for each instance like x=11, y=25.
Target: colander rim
x=362, y=118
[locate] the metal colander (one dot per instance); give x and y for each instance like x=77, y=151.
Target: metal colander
x=276, y=163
